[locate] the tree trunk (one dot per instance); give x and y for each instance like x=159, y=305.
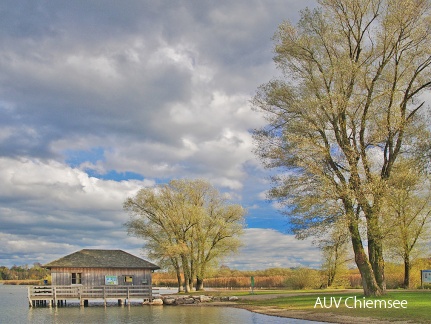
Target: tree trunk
x=375, y=252
x=407, y=267
x=176, y=265
x=186, y=271
x=180, y=286
x=375, y=249
x=190, y=284
x=331, y=276
x=199, y=284
x=374, y=236
x=187, y=286
x=369, y=284
x=329, y=281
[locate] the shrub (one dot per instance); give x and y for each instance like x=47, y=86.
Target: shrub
x=304, y=278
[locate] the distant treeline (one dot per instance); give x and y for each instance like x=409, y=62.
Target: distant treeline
x=35, y=272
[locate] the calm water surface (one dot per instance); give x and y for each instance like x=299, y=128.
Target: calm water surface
x=14, y=309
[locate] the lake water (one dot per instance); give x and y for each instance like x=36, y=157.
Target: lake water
x=14, y=309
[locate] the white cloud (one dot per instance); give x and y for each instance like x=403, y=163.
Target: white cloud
x=52, y=183
x=56, y=205
x=268, y=248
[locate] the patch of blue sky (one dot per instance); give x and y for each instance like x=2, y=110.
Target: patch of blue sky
x=262, y=214
x=75, y=158
x=276, y=222
x=115, y=176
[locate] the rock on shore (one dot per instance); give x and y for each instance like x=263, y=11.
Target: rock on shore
x=188, y=300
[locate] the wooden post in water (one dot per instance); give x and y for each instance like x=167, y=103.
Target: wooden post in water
x=80, y=297
x=29, y=297
x=104, y=296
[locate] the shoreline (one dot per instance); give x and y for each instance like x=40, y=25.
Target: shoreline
x=311, y=315
x=298, y=314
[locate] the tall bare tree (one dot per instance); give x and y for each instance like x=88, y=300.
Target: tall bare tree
x=348, y=106
x=187, y=223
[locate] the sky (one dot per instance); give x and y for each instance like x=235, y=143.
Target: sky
x=101, y=98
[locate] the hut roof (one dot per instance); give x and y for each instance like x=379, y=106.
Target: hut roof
x=89, y=258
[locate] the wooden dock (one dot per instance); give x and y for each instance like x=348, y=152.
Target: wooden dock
x=58, y=295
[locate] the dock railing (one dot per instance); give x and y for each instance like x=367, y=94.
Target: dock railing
x=55, y=295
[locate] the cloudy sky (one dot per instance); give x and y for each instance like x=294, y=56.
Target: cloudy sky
x=101, y=98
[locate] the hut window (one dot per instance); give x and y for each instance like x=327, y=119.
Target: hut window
x=128, y=279
x=76, y=278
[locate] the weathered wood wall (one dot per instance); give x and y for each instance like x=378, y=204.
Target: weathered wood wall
x=96, y=276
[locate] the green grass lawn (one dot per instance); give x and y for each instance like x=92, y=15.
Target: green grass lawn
x=417, y=307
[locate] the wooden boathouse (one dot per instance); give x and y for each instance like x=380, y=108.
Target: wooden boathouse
x=95, y=274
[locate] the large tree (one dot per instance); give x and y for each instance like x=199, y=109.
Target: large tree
x=347, y=107
x=187, y=223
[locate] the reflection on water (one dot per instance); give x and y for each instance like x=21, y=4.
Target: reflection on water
x=139, y=314
x=14, y=309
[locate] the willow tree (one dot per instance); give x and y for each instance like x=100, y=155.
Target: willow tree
x=155, y=216
x=187, y=223
x=347, y=106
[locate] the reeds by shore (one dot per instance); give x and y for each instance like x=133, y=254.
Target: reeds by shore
x=30, y=282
